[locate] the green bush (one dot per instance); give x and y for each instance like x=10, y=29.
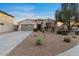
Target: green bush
x=39, y=41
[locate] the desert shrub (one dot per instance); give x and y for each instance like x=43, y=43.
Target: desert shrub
x=76, y=32
x=66, y=39
x=39, y=41
x=58, y=32
x=62, y=32
x=78, y=25
x=34, y=30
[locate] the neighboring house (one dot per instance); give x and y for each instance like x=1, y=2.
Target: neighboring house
x=28, y=24
x=6, y=22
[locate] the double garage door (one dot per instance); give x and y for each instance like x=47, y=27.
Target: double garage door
x=27, y=27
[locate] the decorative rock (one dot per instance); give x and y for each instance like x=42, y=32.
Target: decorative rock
x=74, y=37
x=66, y=39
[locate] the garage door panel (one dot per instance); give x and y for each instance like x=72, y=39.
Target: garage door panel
x=27, y=27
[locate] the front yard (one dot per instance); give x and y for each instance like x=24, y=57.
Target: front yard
x=53, y=44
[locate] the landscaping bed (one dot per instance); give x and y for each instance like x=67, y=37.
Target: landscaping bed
x=52, y=44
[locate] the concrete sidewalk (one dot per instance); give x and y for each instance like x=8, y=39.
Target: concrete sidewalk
x=11, y=40
x=72, y=52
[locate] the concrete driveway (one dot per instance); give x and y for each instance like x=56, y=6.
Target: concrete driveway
x=11, y=40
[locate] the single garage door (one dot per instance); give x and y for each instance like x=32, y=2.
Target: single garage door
x=27, y=27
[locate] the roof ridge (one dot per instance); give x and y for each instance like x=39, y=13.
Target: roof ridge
x=6, y=13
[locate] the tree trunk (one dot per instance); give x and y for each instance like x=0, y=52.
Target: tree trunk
x=69, y=26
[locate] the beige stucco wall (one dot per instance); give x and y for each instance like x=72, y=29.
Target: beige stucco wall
x=8, y=23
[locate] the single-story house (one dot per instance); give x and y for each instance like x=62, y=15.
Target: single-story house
x=28, y=24
x=6, y=22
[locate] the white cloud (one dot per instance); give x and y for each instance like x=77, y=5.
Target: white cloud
x=23, y=8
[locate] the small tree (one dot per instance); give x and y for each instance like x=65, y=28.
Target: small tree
x=67, y=14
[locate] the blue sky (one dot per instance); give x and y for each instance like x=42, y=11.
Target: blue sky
x=22, y=11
